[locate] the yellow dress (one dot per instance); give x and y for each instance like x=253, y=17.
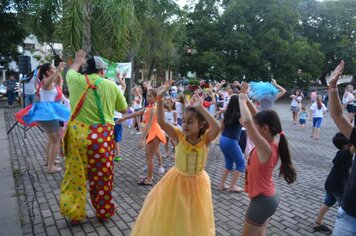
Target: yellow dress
x=180, y=203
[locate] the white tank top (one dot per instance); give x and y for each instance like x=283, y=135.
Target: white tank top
x=48, y=95
x=137, y=102
x=168, y=117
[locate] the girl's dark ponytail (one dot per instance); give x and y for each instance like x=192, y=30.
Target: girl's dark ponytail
x=271, y=119
x=43, y=69
x=286, y=169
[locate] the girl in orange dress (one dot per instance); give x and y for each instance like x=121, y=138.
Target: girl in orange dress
x=152, y=136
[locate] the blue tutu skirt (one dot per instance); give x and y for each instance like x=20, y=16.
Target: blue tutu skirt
x=46, y=111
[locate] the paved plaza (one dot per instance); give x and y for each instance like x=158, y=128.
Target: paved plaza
x=38, y=192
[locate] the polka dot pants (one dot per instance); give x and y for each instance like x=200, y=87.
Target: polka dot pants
x=89, y=155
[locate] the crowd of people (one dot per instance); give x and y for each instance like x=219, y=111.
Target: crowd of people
x=251, y=139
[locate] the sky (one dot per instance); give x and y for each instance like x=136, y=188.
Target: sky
x=181, y=3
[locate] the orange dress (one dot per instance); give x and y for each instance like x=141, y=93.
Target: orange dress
x=155, y=129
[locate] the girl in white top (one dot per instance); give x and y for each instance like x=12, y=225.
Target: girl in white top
x=137, y=105
x=348, y=100
x=317, y=110
x=295, y=105
x=180, y=105
x=170, y=116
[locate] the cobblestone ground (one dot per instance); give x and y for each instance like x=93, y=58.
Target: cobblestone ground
x=38, y=192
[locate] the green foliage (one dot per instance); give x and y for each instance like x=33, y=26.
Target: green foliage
x=194, y=82
x=162, y=35
x=332, y=25
x=12, y=32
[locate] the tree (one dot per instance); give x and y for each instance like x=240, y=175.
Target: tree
x=331, y=24
x=108, y=28
x=253, y=40
x=161, y=37
x=12, y=32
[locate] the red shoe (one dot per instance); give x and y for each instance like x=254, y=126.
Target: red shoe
x=75, y=222
x=103, y=219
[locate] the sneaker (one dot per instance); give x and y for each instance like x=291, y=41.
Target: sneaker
x=117, y=158
x=132, y=132
x=321, y=228
x=138, y=132
x=75, y=222
x=161, y=170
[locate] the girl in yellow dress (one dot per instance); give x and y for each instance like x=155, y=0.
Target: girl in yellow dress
x=181, y=202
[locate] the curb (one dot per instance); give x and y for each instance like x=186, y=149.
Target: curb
x=9, y=214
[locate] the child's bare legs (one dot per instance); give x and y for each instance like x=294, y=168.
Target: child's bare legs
x=47, y=152
x=322, y=211
x=151, y=150
x=222, y=185
x=117, y=149
x=316, y=133
x=253, y=230
x=137, y=121
x=236, y=175
x=54, y=142
x=166, y=147
x=161, y=169
x=294, y=117
x=133, y=125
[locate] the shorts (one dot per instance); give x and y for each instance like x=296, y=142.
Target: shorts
x=350, y=108
x=261, y=208
x=331, y=198
x=317, y=122
x=294, y=109
x=117, y=131
x=302, y=121
x=50, y=126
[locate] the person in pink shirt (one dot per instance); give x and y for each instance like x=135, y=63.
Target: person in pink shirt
x=313, y=96
x=264, y=127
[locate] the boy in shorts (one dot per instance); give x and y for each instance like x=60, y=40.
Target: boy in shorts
x=336, y=180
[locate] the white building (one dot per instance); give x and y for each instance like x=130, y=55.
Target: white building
x=38, y=52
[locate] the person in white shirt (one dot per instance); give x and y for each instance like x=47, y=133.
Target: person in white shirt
x=295, y=105
x=170, y=116
x=348, y=100
x=317, y=110
x=30, y=87
x=137, y=105
x=174, y=91
x=120, y=82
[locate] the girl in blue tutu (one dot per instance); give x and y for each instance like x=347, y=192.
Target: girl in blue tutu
x=49, y=111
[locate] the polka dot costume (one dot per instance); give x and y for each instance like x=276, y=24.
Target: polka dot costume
x=89, y=156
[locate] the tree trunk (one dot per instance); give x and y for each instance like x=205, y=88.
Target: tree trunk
x=86, y=43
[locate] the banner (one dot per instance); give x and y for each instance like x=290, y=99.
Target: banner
x=114, y=67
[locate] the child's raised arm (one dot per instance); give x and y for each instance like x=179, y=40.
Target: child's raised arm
x=263, y=148
x=168, y=128
x=214, y=129
x=244, y=88
x=133, y=115
x=335, y=106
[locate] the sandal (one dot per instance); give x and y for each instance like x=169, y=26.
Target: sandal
x=321, y=228
x=236, y=190
x=143, y=182
x=223, y=188
x=55, y=169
